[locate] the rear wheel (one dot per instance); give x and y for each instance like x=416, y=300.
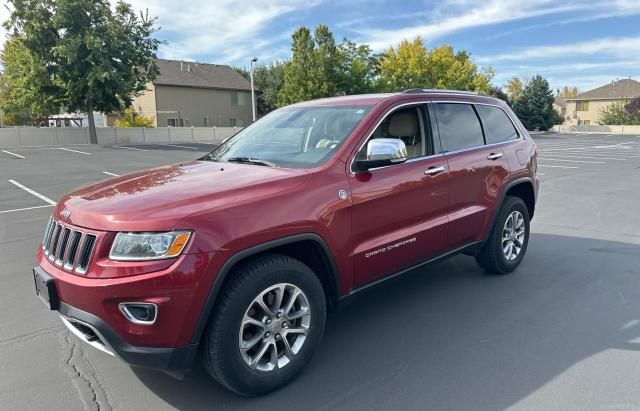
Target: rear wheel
x=269, y=321
x=506, y=246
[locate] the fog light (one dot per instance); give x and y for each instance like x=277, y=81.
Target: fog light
x=139, y=313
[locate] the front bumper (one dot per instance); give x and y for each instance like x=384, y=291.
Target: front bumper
x=95, y=332
x=89, y=308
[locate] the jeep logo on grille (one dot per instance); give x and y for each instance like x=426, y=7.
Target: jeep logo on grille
x=65, y=213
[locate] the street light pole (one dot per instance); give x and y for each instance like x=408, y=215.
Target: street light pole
x=253, y=93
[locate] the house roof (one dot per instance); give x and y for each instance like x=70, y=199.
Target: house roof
x=199, y=75
x=560, y=102
x=617, y=89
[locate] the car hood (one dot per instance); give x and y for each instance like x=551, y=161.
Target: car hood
x=157, y=199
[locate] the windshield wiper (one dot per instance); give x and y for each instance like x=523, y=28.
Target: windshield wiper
x=250, y=160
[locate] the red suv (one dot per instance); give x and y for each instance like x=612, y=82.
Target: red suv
x=232, y=260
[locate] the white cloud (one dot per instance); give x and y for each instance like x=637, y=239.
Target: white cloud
x=227, y=29
x=620, y=47
x=456, y=15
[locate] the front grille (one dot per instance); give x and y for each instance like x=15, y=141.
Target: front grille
x=68, y=247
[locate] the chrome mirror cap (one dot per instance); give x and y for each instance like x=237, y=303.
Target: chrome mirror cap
x=386, y=149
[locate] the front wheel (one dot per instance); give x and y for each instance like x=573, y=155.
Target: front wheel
x=269, y=321
x=505, y=248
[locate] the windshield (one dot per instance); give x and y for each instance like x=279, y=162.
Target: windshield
x=295, y=137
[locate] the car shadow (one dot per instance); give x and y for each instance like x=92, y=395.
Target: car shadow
x=449, y=336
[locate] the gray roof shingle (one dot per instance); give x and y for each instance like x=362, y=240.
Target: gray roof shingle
x=199, y=75
x=625, y=88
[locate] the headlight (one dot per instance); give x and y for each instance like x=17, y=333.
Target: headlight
x=148, y=246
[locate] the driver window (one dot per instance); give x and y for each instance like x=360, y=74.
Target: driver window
x=405, y=124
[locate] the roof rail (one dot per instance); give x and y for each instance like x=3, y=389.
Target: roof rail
x=427, y=90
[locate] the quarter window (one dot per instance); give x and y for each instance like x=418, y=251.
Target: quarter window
x=497, y=125
x=459, y=125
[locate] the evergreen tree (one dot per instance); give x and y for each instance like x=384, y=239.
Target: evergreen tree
x=535, y=106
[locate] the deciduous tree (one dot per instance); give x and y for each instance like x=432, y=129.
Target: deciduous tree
x=568, y=92
x=514, y=88
x=404, y=67
x=97, y=57
x=315, y=67
x=617, y=114
x=27, y=91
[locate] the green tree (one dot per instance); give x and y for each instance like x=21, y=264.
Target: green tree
x=27, y=91
x=411, y=66
x=616, y=114
x=514, y=89
x=314, y=69
x=535, y=106
x=359, y=68
x=97, y=58
x=132, y=119
x=447, y=69
x=404, y=67
x=268, y=80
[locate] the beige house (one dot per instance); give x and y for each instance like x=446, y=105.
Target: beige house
x=187, y=94
x=584, y=109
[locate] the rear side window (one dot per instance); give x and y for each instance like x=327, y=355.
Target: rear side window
x=497, y=125
x=459, y=125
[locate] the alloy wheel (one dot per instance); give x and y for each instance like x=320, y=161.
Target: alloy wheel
x=274, y=327
x=513, y=235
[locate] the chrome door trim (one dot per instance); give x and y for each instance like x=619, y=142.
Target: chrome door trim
x=415, y=103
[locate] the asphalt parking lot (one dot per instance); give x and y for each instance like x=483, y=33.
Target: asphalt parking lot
x=561, y=333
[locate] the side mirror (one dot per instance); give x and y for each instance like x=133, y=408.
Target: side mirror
x=382, y=152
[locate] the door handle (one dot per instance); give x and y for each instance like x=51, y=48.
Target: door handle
x=432, y=171
x=495, y=156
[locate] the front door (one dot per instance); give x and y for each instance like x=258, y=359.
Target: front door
x=399, y=213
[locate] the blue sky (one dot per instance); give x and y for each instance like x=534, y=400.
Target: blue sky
x=583, y=43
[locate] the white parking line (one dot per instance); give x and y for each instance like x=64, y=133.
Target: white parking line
x=571, y=161
x=35, y=193
x=546, y=165
x=129, y=148
x=13, y=154
x=74, y=151
x=24, y=209
x=175, y=145
x=595, y=158
x=110, y=174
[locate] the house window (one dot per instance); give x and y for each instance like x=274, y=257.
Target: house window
x=205, y=122
x=171, y=122
x=584, y=122
x=233, y=122
x=238, y=98
x=67, y=123
x=582, y=105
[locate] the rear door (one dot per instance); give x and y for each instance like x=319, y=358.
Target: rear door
x=399, y=213
x=476, y=171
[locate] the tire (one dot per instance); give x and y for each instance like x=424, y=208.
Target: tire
x=492, y=256
x=232, y=324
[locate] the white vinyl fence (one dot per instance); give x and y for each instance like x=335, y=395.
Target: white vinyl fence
x=598, y=129
x=32, y=136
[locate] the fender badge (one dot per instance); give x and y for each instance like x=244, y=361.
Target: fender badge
x=342, y=195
